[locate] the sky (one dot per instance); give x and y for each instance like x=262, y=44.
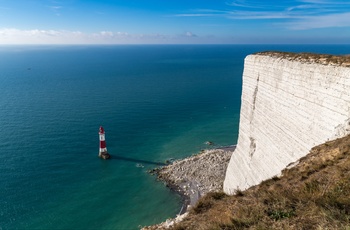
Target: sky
x=174, y=22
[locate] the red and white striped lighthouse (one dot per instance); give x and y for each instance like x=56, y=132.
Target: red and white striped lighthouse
x=103, y=149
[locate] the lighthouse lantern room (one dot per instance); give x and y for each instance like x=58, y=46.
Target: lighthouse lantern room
x=103, y=149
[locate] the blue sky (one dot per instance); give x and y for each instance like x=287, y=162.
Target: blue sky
x=174, y=21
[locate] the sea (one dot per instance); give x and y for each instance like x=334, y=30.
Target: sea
x=156, y=103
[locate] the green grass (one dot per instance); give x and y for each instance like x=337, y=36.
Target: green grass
x=325, y=59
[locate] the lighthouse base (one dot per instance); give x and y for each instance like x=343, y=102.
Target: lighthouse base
x=104, y=155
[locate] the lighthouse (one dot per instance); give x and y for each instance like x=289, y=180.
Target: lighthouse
x=103, y=149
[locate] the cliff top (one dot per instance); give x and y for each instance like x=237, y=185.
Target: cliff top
x=324, y=59
x=312, y=195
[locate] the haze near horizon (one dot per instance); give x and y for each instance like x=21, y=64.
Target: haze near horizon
x=174, y=22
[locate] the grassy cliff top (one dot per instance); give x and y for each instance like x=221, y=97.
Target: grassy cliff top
x=325, y=59
x=314, y=194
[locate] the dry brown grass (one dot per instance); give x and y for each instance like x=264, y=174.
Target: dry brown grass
x=315, y=194
x=324, y=59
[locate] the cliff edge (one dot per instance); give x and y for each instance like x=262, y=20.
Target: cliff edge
x=290, y=103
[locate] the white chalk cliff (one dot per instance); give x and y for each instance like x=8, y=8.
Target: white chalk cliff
x=290, y=103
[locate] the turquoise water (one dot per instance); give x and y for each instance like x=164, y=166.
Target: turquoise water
x=155, y=103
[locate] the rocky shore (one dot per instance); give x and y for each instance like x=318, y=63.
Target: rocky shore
x=193, y=177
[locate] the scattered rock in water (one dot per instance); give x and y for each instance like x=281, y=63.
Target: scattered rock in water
x=140, y=166
x=169, y=161
x=209, y=143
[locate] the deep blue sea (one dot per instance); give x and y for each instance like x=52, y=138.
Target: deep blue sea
x=155, y=103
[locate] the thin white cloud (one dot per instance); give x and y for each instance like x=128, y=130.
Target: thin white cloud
x=36, y=36
x=203, y=13
x=250, y=4
x=315, y=1
x=326, y=2
x=55, y=7
x=190, y=34
x=248, y=15
x=211, y=11
x=300, y=7
x=301, y=14
x=195, y=15
x=322, y=21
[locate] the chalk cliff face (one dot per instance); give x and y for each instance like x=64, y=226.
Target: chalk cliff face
x=290, y=103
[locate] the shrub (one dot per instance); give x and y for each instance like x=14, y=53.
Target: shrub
x=217, y=195
x=280, y=214
x=239, y=192
x=202, y=205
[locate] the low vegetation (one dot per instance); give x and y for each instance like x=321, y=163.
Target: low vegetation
x=315, y=194
x=324, y=59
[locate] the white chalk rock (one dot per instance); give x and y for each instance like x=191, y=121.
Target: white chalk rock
x=288, y=106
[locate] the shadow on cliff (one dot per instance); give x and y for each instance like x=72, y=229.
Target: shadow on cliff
x=139, y=161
